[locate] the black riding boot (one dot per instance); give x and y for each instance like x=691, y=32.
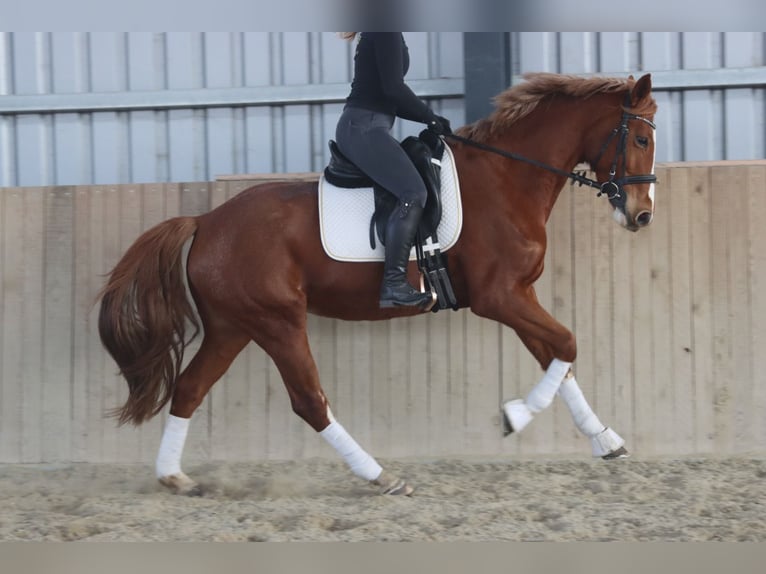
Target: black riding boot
x=400, y=233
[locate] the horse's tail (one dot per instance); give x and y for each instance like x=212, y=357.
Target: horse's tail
x=142, y=321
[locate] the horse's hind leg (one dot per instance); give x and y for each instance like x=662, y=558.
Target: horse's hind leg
x=287, y=344
x=219, y=348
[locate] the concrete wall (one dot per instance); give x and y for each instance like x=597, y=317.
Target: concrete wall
x=668, y=320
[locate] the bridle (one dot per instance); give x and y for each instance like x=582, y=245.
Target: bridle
x=613, y=187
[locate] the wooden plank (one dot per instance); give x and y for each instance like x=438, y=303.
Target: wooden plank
x=84, y=321
x=380, y=385
x=658, y=240
x=195, y=198
x=12, y=295
x=723, y=367
x=741, y=412
x=398, y=368
x=33, y=324
x=680, y=381
x=358, y=376
x=418, y=392
x=701, y=245
x=57, y=382
x=441, y=425
x=641, y=321
x=756, y=182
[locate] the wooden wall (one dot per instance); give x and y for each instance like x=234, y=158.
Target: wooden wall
x=669, y=324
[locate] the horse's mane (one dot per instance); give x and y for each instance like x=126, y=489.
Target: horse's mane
x=520, y=100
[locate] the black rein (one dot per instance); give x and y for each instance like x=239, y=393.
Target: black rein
x=611, y=188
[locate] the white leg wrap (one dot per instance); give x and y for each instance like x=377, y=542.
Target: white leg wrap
x=584, y=418
x=361, y=463
x=172, y=446
x=541, y=396
x=603, y=440
x=606, y=442
x=520, y=412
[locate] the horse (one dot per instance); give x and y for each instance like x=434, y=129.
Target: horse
x=256, y=267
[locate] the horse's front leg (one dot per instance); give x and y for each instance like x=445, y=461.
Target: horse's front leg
x=555, y=349
x=605, y=442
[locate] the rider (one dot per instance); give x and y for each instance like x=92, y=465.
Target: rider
x=363, y=134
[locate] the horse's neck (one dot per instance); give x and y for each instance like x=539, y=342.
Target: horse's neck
x=557, y=135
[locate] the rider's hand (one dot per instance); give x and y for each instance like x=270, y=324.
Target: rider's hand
x=440, y=126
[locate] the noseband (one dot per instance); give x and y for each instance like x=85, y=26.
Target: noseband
x=613, y=187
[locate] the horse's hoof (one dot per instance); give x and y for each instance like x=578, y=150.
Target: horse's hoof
x=608, y=445
x=621, y=452
x=516, y=416
x=393, y=485
x=181, y=484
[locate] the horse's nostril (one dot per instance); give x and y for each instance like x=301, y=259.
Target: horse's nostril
x=644, y=218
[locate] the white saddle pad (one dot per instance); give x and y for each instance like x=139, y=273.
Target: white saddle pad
x=344, y=217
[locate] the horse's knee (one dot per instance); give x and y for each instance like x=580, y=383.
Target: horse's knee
x=567, y=348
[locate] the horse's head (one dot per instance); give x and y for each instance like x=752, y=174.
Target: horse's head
x=625, y=162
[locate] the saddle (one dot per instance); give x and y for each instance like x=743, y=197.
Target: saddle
x=426, y=152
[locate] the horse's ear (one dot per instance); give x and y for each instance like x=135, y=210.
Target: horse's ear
x=641, y=89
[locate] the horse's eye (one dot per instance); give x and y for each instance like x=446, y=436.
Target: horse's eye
x=643, y=141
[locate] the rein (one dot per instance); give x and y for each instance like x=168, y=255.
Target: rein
x=611, y=188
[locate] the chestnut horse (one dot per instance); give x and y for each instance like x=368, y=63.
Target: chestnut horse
x=256, y=267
